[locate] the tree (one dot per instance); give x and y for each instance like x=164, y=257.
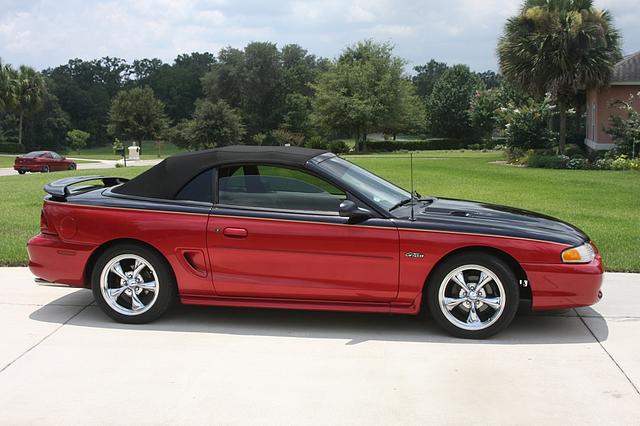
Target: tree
x=77, y=139
x=46, y=127
x=490, y=79
x=213, y=124
x=559, y=47
x=487, y=103
x=408, y=115
x=449, y=104
x=7, y=86
x=85, y=90
x=426, y=77
x=483, y=112
x=263, y=92
x=29, y=89
x=226, y=80
x=270, y=88
x=177, y=85
x=137, y=114
x=361, y=90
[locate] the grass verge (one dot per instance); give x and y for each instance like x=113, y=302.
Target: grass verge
x=605, y=204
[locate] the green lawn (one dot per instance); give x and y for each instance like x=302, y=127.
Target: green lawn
x=605, y=204
x=7, y=161
x=149, y=152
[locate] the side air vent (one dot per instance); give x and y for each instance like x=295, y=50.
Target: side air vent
x=459, y=213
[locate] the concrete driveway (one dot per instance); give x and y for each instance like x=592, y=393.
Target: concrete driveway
x=63, y=362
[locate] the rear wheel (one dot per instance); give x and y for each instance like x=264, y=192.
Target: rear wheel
x=473, y=295
x=132, y=284
x=45, y=169
x=21, y=172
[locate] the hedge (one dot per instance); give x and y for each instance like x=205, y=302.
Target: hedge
x=419, y=145
x=11, y=148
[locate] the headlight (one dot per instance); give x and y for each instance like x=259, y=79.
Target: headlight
x=581, y=254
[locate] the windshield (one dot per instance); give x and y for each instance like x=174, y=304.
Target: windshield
x=384, y=193
x=35, y=154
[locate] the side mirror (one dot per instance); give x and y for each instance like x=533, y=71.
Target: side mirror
x=349, y=209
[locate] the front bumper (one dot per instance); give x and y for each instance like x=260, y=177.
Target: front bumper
x=562, y=286
x=57, y=261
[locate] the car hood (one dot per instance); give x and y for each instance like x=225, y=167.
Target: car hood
x=482, y=218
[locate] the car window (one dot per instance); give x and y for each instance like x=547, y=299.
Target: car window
x=35, y=154
x=47, y=155
x=56, y=156
x=274, y=187
x=200, y=188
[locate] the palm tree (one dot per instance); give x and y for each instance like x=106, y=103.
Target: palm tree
x=6, y=86
x=559, y=47
x=29, y=92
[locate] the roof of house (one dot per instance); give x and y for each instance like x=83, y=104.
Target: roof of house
x=166, y=178
x=627, y=70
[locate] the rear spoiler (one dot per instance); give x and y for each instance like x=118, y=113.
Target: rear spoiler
x=59, y=189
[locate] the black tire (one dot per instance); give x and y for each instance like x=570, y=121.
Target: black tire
x=71, y=167
x=166, y=285
x=493, y=264
x=21, y=172
x=45, y=169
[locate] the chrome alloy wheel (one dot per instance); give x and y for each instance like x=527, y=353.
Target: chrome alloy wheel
x=471, y=297
x=129, y=284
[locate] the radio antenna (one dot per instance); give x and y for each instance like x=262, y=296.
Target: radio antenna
x=413, y=217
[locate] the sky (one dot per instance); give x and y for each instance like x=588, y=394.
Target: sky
x=48, y=33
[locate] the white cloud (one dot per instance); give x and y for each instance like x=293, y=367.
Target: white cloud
x=45, y=33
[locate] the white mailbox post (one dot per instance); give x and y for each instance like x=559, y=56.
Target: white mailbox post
x=134, y=152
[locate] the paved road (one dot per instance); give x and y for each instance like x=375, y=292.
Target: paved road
x=96, y=164
x=63, y=362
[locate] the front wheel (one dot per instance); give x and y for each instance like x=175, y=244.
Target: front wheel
x=21, y=172
x=45, y=169
x=132, y=284
x=71, y=167
x=473, y=295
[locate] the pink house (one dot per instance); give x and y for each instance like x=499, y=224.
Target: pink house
x=625, y=82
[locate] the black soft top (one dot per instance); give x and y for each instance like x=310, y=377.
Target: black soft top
x=166, y=178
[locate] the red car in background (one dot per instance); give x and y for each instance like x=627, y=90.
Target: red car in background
x=42, y=161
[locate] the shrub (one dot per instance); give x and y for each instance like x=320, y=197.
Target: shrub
x=545, y=161
x=11, y=148
x=625, y=128
x=573, y=150
x=622, y=163
x=418, y=145
x=577, y=163
x=284, y=137
x=77, y=139
x=526, y=126
x=338, y=147
x=316, y=142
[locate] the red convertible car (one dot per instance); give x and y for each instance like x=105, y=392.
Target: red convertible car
x=284, y=227
x=42, y=161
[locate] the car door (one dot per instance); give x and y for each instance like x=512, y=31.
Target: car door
x=275, y=232
x=56, y=162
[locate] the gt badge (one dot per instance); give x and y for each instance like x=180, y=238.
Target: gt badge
x=414, y=254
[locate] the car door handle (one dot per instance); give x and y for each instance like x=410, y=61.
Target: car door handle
x=235, y=232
